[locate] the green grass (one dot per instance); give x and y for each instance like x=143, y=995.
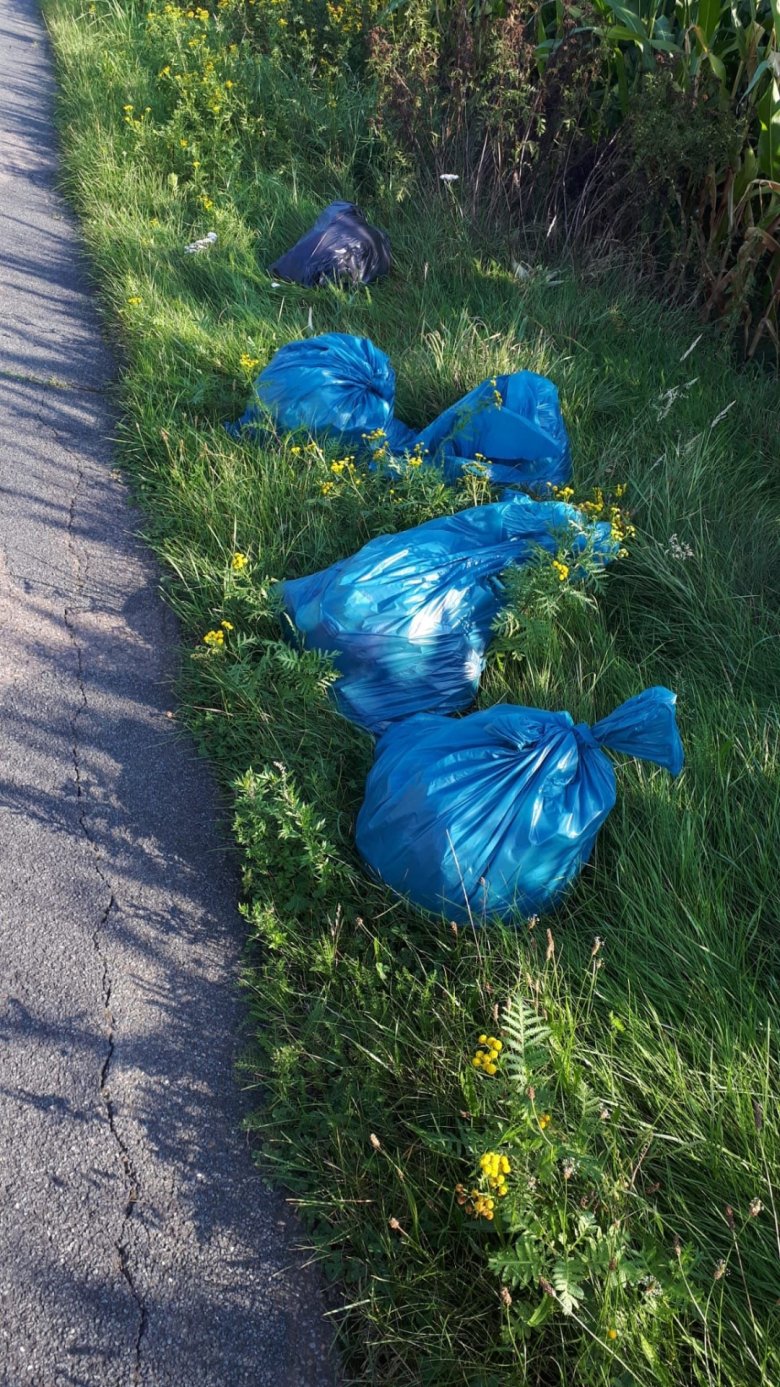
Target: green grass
x=365, y=1014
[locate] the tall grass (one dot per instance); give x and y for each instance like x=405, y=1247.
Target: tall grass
x=653, y=123
x=657, y=1050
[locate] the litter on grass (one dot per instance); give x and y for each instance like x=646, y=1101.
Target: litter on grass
x=341, y=245
x=195, y=247
x=343, y=387
x=493, y=815
x=334, y=385
x=407, y=619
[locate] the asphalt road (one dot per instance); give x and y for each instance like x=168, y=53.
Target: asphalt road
x=138, y=1246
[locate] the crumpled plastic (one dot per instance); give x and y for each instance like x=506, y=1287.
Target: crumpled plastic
x=491, y=816
x=343, y=387
x=341, y=245
x=335, y=385
x=407, y=619
x=512, y=425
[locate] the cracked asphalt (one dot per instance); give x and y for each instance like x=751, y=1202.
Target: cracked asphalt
x=138, y=1246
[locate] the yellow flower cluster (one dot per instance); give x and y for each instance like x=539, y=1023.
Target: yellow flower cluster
x=599, y=508
x=198, y=66
x=239, y=562
x=416, y=457
x=562, y=569
x=346, y=17
x=378, y=440
x=136, y=122
x=134, y=300
x=477, y=1205
x=215, y=640
x=495, y=1167
x=621, y=528
x=249, y=363
x=498, y=399
x=487, y=1054
x=345, y=470
x=545, y=1120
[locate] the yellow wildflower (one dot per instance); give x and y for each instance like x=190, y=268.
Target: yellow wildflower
x=487, y=1053
x=562, y=569
x=476, y=1204
x=495, y=1167
x=214, y=639
x=238, y=562
x=226, y=625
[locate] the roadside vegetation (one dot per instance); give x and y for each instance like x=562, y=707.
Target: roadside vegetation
x=592, y=1200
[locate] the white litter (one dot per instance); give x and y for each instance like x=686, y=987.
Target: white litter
x=203, y=244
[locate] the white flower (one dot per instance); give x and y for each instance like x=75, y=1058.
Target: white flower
x=679, y=549
x=448, y=177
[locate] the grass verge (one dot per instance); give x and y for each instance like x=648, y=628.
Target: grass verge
x=634, y=1101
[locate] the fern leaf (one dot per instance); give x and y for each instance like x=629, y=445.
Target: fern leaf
x=526, y=1037
x=567, y=1288
x=521, y=1266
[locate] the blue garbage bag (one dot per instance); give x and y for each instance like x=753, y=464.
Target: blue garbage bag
x=408, y=618
x=340, y=386
x=494, y=814
x=512, y=424
x=341, y=245
x=335, y=385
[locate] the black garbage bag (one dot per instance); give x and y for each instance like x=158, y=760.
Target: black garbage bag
x=341, y=245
